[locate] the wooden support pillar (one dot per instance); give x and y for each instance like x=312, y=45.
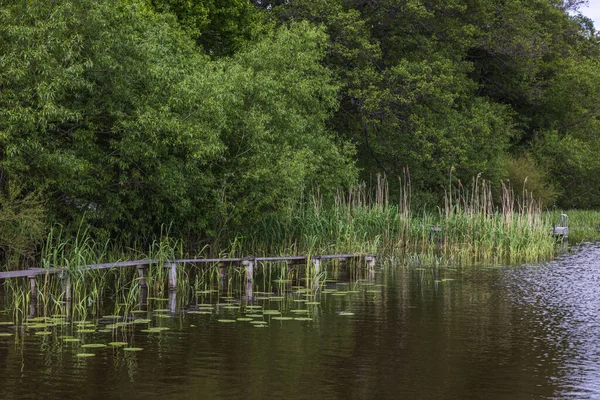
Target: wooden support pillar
x=316, y=262
x=66, y=282
x=32, y=286
x=143, y=305
x=371, y=260
x=222, y=271
x=172, y=276
x=143, y=272
x=249, y=270
x=172, y=301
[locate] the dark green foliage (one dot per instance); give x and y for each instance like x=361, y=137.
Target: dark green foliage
x=132, y=114
x=109, y=110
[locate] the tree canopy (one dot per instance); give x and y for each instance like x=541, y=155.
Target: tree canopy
x=204, y=114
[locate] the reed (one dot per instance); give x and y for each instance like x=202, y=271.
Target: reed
x=470, y=229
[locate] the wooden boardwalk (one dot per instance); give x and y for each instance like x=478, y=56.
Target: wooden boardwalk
x=172, y=265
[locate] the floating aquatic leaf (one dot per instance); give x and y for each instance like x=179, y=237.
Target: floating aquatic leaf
x=260, y=326
x=155, y=329
x=6, y=323
x=313, y=303
x=37, y=319
x=66, y=337
x=162, y=310
x=300, y=311
x=345, y=313
x=271, y=312
x=258, y=322
x=339, y=294
x=162, y=316
x=39, y=326
x=86, y=330
x=244, y=319
x=112, y=316
x=93, y=345
x=117, y=344
x=303, y=319
x=71, y=340
x=139, y=311
x=230, y=307
x=43, y=333
x=300, y=301
x=199, y=312
x=83, y=355
x=105, y=330
x=132, y=349
x=5, y=334
x=141, y=321
x=226, y=320
x=373, y=291
x=283, y=318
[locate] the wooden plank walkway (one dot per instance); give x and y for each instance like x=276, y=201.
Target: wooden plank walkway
x=32, y=272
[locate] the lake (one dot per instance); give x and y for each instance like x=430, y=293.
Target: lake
x=510, y=332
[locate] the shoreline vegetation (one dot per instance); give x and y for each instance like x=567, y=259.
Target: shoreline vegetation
x=469, y=231
x=162, y=128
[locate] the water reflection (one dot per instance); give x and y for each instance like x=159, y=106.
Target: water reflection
x=494, y=333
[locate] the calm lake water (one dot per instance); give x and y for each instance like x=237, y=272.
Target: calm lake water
x=495, y=333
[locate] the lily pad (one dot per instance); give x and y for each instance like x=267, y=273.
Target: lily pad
x=5, y=334
x=83, y=355
x=43, y=333
x=93, y=345
x=226, y=320
x=86, y=330
x=244, y=319
x=303, y=319
x=71, y=340
x=271, y=312
x=117, y=344
x=345, y=313
x=132, y=349
x=6, y=323
x=258, y=322
x=283, y=318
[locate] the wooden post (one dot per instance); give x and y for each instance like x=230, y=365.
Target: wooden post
x=143, y=298
x=222, y=271
x=143, y=272
x=67, y=288
x=371, y=261
x=249, y=264
x=316, y=264
x=172, y=276
x=32, y=286
x=172, y=301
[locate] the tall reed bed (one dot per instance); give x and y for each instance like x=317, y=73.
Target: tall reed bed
x=469, y=229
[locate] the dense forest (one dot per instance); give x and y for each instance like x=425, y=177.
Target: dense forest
x=131, y=114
